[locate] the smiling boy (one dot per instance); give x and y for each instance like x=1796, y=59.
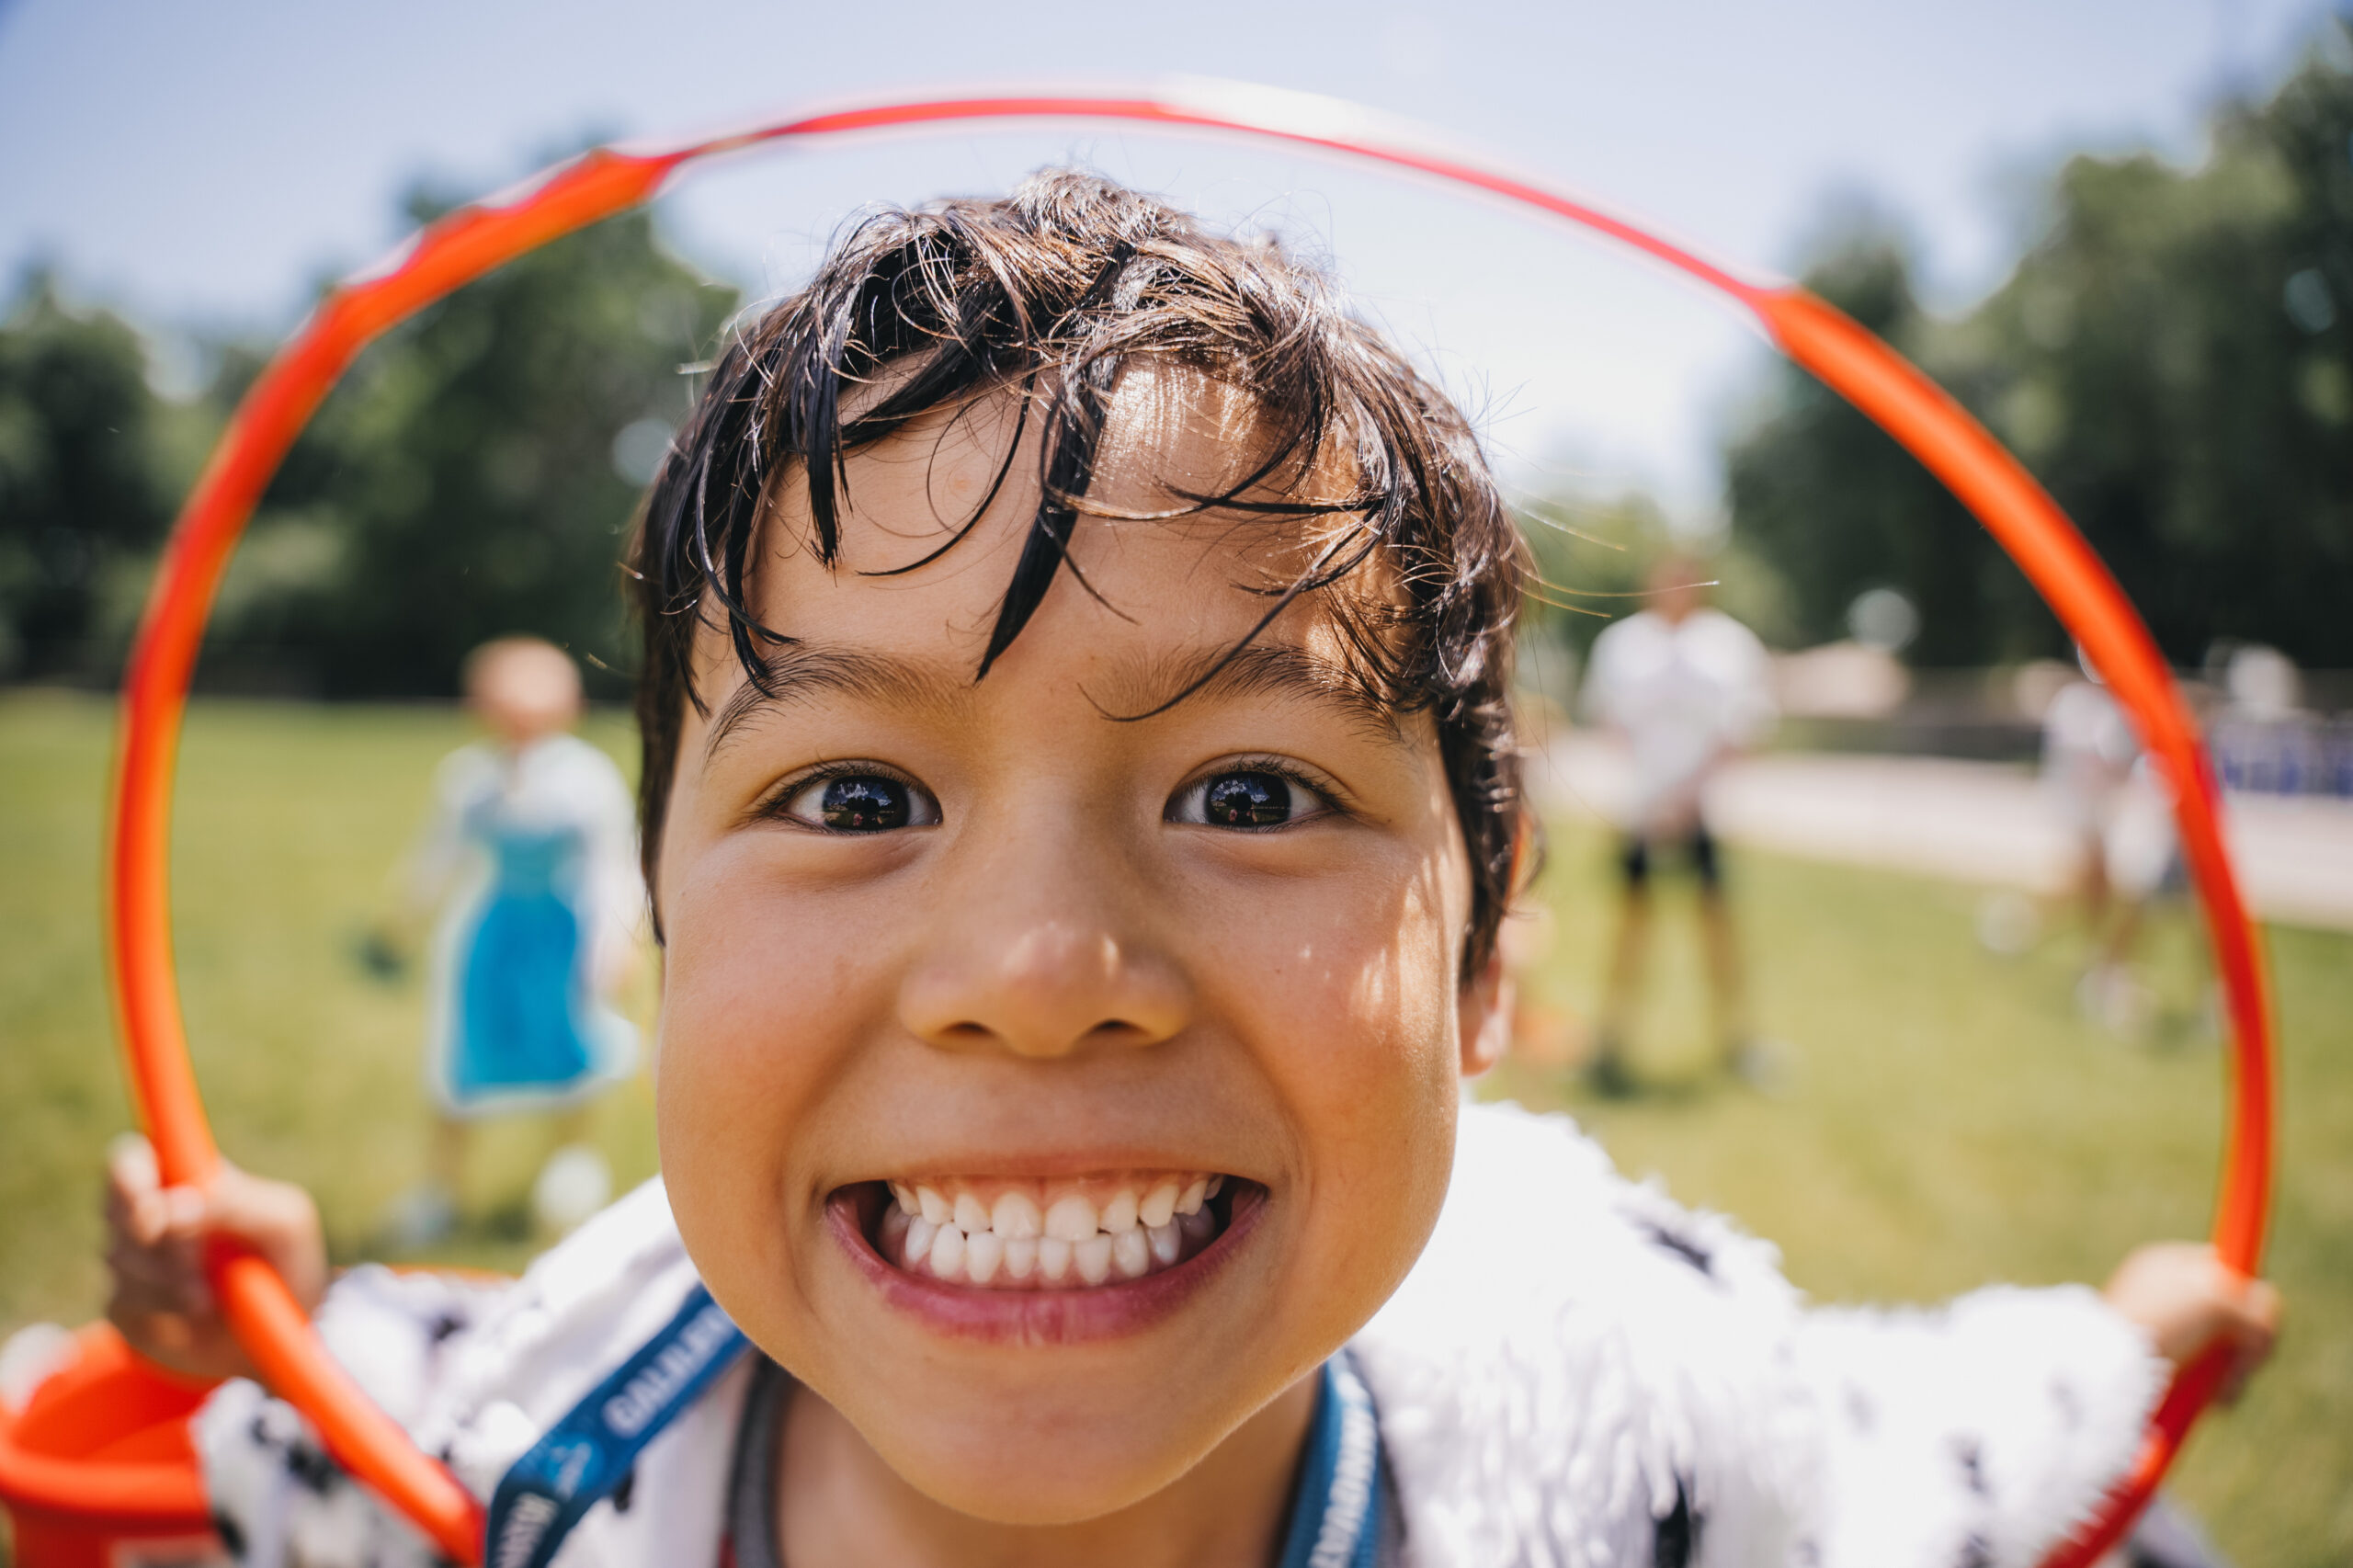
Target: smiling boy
x=1079, y=808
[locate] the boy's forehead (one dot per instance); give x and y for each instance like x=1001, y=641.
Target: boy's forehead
x=1170, y=431
x=1160, y=589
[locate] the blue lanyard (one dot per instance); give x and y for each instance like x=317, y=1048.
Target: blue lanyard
x=584, y=1457
x=1335, y=1519
x=1336, y=1516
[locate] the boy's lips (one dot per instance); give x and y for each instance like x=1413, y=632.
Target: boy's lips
x=1017, y=1269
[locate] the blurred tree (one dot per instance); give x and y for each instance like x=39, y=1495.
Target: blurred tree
x=474, y=473
x=1838, y=508
x=81, y=499
x=2173, y=357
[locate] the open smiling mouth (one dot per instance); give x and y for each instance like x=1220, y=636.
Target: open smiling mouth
x=1063, y=1235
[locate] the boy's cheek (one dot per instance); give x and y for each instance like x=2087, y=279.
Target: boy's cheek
x=718, y=1106
x=755, y=1012
x=1365, y=957
x=1350, y=1006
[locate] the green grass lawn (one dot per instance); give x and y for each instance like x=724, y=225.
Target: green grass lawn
x=290, y=820
x=1948, y=1122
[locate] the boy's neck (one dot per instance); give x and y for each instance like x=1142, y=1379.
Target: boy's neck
x=837, y=1502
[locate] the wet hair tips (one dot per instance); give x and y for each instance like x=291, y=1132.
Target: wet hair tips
x=1051, y=294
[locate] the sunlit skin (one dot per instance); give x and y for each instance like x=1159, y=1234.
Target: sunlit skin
x=1054, y=979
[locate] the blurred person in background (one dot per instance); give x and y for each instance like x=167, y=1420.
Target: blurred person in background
x=2088, y=756
x=530, y=857
x=2264, y=738
x=2117, y=806
x=2143, y=872
x=1686, y=687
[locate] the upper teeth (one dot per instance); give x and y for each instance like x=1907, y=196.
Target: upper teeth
x=1028, y=1234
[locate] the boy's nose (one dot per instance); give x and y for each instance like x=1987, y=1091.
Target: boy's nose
x=1043, y=988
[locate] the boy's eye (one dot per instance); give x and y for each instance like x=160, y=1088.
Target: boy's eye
x=862, y=802
x=1244, y=798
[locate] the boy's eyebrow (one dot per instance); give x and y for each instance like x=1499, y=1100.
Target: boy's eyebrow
x=1262, y=669
x=804, y=669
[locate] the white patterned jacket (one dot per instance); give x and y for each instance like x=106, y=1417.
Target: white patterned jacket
x=1634, y=1386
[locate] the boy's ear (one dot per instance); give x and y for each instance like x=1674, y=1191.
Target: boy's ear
x=1486, y=1004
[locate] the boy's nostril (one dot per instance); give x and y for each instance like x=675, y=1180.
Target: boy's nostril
x=1112, y=1032
x=996, y=979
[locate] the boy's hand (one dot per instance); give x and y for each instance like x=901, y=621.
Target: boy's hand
x=156, y=1238
x=2187, y=1302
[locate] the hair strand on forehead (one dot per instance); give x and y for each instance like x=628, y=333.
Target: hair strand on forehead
x=1053, y=294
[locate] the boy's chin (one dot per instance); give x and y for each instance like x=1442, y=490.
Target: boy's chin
x=1039, y=1455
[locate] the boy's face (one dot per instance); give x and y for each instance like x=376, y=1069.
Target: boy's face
x=979, y=949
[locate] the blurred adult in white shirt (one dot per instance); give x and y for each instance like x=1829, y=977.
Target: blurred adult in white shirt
x=2117, y=806
x=1686, y=687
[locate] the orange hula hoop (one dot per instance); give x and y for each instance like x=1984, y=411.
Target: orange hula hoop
x=476, y=239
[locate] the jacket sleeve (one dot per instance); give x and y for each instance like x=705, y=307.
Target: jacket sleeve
x=1976, y=1435
x=477, y=1371
x=279, y=1501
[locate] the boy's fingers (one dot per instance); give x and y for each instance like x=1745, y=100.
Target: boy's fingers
x=2256, y=1328
x=140, y=1298
x=279, y=1221
x=2260, y=1304
x=171, y=1278
x=132, y=1182
x=143, y=1220
x=139, y=1205
x=161, y=1234
x=131, y=1164
x=2251, y=1324
x=119, y=1202
x=2246, y=1313
x=131, y=1204
x=187, y=1212
x=148, y=1265
x=160, y=1237
x=158, y=1218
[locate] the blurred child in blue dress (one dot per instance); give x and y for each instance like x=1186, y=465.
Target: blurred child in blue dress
x=530, y=857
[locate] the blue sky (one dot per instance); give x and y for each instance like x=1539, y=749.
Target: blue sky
x=207, y=163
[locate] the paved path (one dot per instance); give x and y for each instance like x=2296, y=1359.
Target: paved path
x=1971, y=821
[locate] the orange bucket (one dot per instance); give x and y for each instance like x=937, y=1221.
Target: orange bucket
x=97, y=1468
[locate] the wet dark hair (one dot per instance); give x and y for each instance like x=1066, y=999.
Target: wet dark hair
x=1051, y=293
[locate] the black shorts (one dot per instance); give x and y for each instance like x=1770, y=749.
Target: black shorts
x=1696, y=847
